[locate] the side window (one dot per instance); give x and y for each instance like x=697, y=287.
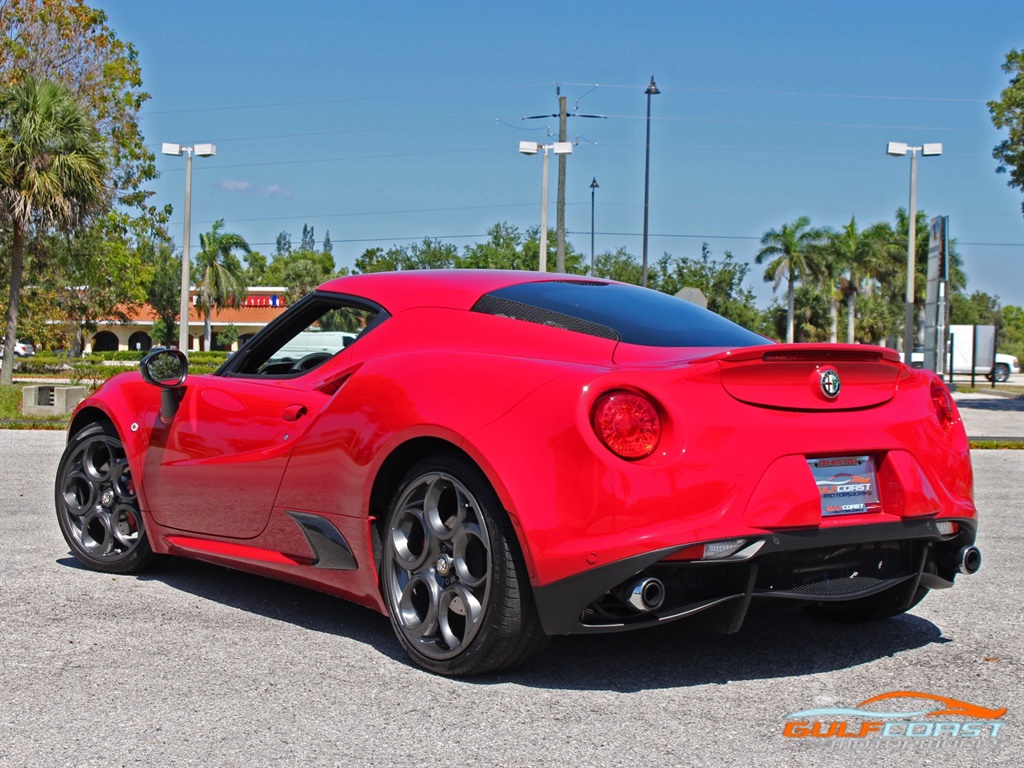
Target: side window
x=314, y=331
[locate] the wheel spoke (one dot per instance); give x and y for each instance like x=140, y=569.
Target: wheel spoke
x=459, y=615
x=418, y=608
x=471, y=556
x=410, y=538
x=445, y=507
x=121, y=480
x=79, y=492
x=95, y=533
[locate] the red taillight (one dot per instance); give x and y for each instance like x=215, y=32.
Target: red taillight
x=627, y=423
x=943, y=404
x=696, y=552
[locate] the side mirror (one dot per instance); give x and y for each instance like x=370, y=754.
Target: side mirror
x=167, y=369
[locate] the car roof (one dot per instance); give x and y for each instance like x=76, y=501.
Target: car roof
x=451, y=288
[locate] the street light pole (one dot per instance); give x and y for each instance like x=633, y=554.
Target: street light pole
x=203, y=150
x=898, y=149
x=186, y=259
x=543, y=263
x=652, y=90
x=532, y=148
x=593, y=188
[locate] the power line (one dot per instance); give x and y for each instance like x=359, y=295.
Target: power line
x=802, y=94
x=350, y=99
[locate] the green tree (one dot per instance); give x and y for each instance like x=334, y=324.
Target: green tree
x=164, y=290
x=52, y=174
x=301, y=276
x=308, y=242
x=221, y=275
x=284, y=244
x=328, y=245
x=430, y=254
x=228, y=336
x=255, y=269
x=977, y=309
x=503, y=249
x=68, y=42
x=278, y=269
x=618, y=265
x=788, y=251
x=811, y=312
x=720, y=280
x=1011, y=335
x=1008, y=112
x=847, y=259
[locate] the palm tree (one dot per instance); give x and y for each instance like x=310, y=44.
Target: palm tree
x=853, y=257
x=790, y=250
x=221, y=275
x=52, y=174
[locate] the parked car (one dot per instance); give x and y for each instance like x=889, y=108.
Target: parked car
x=494, y=457
x=21, y=349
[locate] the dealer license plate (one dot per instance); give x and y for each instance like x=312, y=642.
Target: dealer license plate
x=847, y=484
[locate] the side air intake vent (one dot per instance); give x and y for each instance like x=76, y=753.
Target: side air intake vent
x=492, y=305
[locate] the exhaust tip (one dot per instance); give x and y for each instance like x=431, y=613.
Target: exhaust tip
x=970, y=559
x=646, y=594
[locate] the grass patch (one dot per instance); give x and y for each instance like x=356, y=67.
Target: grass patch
x=997, y=445
x=1002, y=389
x=10, y=413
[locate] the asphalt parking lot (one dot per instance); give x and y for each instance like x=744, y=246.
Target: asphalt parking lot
x=197, y=665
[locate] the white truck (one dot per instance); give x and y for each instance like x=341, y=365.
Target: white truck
x=962, y=341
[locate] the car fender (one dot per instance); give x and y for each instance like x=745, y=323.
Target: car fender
x=133, y=407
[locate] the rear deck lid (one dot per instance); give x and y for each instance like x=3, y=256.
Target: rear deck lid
x=811, y=377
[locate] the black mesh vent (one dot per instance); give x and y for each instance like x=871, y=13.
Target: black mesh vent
x=834, y=570
x=493, y=305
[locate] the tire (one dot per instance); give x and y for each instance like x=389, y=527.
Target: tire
x=1001, y=372
x=884, y=605
x=97, y=509
x=452, y=575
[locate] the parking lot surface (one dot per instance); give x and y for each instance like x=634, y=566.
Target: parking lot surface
x=193, y=664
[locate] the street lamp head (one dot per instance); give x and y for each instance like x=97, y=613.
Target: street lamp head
x=931, y=149
x=205, y=150
x=171, y=149
x=594, y=184
x=652, y=89
x=562, y=147
x=529, y=147
x=896, y=148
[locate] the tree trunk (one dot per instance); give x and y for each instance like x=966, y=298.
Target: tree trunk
x=851, y=316
x=10, y=334
x=833, y=310
x=791, y=305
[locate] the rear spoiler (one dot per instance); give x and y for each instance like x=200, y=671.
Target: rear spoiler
x=826, y=353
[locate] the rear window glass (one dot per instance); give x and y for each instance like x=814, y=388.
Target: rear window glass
x=626, y=313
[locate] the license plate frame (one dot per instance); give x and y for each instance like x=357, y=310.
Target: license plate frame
x=847, y=485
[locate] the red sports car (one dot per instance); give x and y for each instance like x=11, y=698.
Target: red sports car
x=491, y=458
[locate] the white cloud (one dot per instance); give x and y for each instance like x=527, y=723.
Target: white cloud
x=236, y=185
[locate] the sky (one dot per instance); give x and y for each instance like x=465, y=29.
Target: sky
x=387, y=122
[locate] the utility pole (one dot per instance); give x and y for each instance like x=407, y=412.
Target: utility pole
x=562, y=115
x=560, y=220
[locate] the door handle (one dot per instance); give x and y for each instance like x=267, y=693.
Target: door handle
x=294, y=412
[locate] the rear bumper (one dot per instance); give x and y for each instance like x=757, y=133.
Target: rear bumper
x=810, y=565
